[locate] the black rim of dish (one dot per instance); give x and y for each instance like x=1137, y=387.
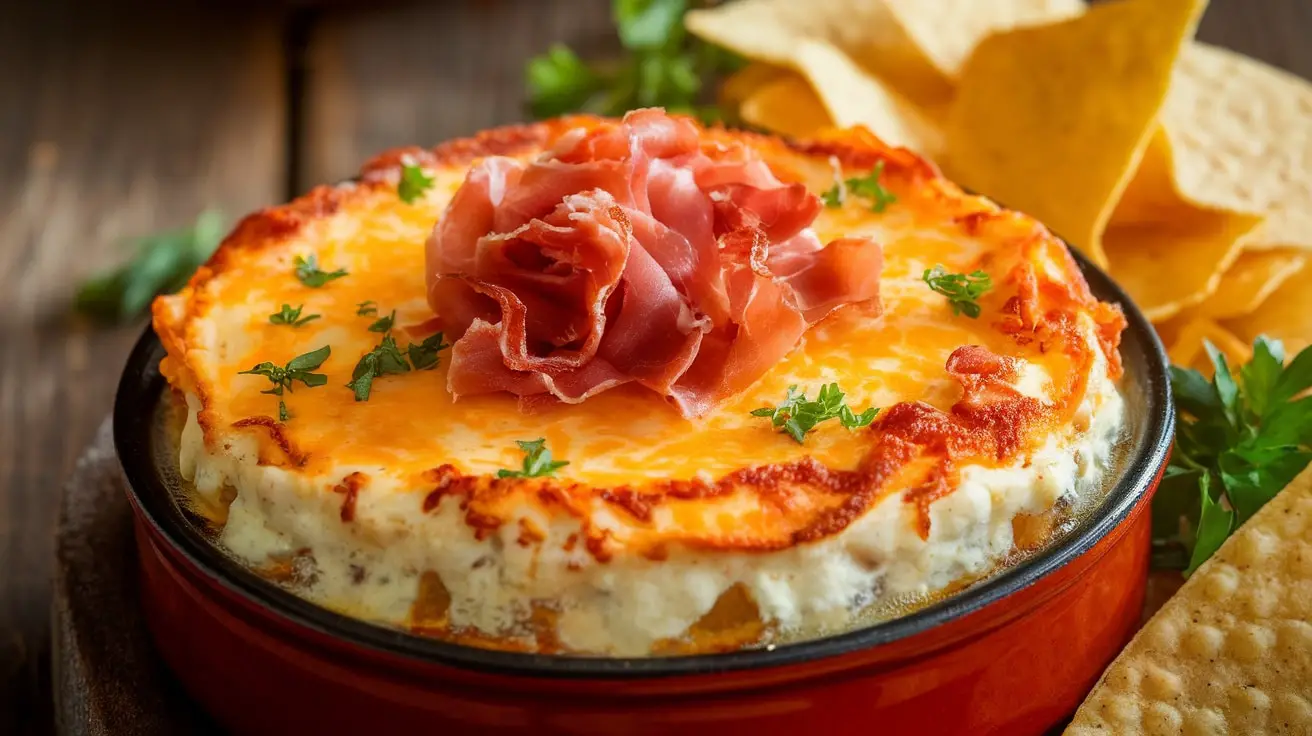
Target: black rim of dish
x=142, y=387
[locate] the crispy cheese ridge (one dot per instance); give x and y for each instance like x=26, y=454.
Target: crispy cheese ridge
x=643, y=482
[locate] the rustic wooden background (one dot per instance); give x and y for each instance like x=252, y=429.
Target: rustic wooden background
x=122, y=118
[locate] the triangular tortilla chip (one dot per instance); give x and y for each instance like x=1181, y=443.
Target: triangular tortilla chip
x=1249, y=282
x=746, y=82
x=1242, y=133
x=946, y=31
x=787, y=106
x=915, y=46
x=1184, y=339
x=1231, y=652
x=1285, y=315
x=1063, y=144
x=769, y=31
x=1166, y=268
x=854, y=97
x=1155, y=230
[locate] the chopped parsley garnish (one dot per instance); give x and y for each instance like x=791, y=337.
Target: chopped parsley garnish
x=414, y=182
x=289, y=316
x=797, y=415
x=160, y=264
x=835, y=195
x=423, y=355
x=961, y=289
x=663, y=66
x=1239, y=440
x=866, y=187
x=384, y=324
x=537, y=461
x=307, y=271
x=386, y=359
x=366, y=309
x=297, y=369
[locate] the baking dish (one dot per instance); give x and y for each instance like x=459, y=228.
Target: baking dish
x=1011, y=654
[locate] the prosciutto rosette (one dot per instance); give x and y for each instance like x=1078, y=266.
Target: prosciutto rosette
x=631, y=253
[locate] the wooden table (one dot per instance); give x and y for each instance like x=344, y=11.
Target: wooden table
x=121, y=118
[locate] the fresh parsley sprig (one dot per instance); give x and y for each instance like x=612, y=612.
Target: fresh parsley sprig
x=423, y=355
x=962, y=289
x=1239, y=440
x=289, y=316
x=366, y=309
x=537, y=461
x=797, y=415
x=297, y=369
x=414, y=182
x=308, y=272
x=385, y=359
x=160, y=264
x=384, y=324
x=663, y=66
x=867, y=187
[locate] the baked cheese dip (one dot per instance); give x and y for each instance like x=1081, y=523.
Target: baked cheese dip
x=634, y=387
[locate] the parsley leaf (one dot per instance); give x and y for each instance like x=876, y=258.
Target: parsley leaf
x=1215, y=523
x=649, y=24
x=414, y=182
x=366, y=309
x=385, y=359
x=834, y=196
x=384, y=324
x=663, y=67
x=537, y=461
x=962, y=290
x=424, y=355
x=866, y=187
x=296, y=369
x=796, y=415
x=289, y=316
x=308, y=273
x=160, y=264
x=559, y=82
x=1240, y=439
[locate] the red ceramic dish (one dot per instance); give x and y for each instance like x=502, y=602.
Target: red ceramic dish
x=1013, y=654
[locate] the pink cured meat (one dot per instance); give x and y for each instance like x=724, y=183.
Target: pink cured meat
x=628, y=254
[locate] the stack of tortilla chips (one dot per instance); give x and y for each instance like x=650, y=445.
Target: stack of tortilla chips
x=1183, y=169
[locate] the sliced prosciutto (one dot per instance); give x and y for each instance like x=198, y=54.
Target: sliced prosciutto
x=629, y=253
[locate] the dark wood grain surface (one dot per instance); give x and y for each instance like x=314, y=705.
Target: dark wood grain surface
x=113, y=122
x=117, y=120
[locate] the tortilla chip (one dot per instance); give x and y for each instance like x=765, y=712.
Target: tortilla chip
x=1063, y=144
x=1232, y=651
x=946, y=31
x=1249, y=281
x=853, y=96
x=746, y=82
x=770, y=30
x=1242, y=132
x=788, y=106
x=1185, y=341
x=1152, y=195
x=915, y=46
x=1285, y=315
x=1168, y=267
x=1156, y=230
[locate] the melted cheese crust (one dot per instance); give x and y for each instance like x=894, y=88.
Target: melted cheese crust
x=617, y=556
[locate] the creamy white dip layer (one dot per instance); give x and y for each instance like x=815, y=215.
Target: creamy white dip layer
x=370, y=568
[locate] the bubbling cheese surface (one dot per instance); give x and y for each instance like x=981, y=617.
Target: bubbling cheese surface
x=348, y=489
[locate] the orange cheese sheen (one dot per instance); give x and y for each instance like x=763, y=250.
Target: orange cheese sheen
x=410, y=421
